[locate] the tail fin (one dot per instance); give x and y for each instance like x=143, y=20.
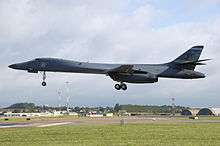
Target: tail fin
x=191, y=55
x=190, y=58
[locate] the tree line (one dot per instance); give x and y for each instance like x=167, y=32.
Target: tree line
x=149, y=108
x=31, y=107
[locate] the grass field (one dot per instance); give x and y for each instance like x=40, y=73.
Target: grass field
x=184, y=134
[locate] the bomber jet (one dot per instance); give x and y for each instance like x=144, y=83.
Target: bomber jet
x=180, y=68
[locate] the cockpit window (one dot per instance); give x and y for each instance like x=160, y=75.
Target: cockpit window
x=37, y=59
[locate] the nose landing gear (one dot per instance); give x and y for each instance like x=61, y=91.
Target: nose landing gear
x=44, y=78
x=44, y=84
x=120, y=86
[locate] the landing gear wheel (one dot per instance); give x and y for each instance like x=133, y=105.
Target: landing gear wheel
x=44, y=84
x=123, y=86
x=44, y=78
x=117, y=86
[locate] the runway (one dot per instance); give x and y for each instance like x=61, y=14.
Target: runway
x=48, y=122
x=55, y=124
x=14, y=125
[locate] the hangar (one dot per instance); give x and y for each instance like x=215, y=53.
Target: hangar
x=189, y=112
x=209, y=111
x=201, y=112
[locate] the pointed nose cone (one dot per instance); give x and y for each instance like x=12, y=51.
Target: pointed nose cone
x=13, y=66
x=19, y=66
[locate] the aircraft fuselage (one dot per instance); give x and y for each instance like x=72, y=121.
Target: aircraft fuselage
x=181, y=68
x=60, y=65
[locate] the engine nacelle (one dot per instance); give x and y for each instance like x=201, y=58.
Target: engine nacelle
x=135, y=78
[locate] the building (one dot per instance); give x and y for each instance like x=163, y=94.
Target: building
x=190, y=112
x=73, y=114
x=109, y=115
x=201, y=112
x=209, y=112
x=10, y=114
x=43, y=114
x=94, y=115
x=123, y=113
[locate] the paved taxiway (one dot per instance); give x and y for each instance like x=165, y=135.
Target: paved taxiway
x=94, y=121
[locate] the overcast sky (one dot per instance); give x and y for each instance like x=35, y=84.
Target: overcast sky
x=113, y=31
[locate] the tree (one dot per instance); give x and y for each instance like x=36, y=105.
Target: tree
x=77, y=109
x=22, y=106
x=117, y=107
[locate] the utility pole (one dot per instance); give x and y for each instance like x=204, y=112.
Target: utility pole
x=173, y=106
x=67, y=97
x=59, y=98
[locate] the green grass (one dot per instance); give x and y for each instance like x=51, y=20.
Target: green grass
x=209, y=118
x=200, y=118
x=2, y=120
x=184, y=134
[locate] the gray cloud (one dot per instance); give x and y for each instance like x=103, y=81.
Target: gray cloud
x=98, y=31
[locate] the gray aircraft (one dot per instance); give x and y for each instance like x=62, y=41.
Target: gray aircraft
x=181, y=68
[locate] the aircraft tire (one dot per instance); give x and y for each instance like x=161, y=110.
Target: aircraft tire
x=117, y=86
x=123, y=86
x=44, y=84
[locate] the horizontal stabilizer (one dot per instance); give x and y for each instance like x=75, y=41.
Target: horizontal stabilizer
x=203, y=60
x=198, y=62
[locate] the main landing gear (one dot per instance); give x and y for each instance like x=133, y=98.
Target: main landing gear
x=44, y=78
x=120, y=86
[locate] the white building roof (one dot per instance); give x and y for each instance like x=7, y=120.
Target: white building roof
x=216, y=111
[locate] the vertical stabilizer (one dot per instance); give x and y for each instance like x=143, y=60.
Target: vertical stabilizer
x=189, y=59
